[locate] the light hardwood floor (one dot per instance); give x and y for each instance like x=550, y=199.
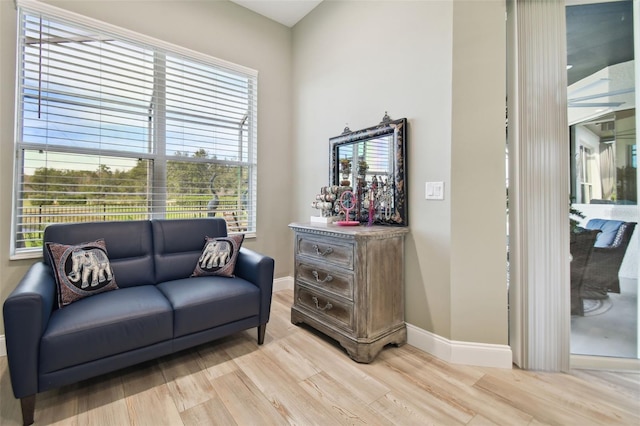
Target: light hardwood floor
x=302, y=378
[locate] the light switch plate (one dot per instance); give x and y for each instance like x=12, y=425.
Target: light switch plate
x=434, y=191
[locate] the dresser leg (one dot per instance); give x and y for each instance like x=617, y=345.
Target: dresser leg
x=295, y=317
x=366, y=352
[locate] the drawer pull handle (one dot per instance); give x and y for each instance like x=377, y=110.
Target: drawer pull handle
x=329, y=250
x=326, y=307
x=327, y=279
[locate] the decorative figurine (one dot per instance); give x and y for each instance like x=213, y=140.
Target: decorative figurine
x=327, y=203
x=347, y=203
x=345, y=168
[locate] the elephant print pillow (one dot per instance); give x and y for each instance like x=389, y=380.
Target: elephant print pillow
x=80, y=270
x=219, y=256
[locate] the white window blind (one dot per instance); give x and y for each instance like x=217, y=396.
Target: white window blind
x=118, y=127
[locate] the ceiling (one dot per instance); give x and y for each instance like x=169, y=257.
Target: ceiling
x=598, y=35
x=286, y=12
x=600, y=51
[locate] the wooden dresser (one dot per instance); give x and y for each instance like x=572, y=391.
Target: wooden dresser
x=349, y=285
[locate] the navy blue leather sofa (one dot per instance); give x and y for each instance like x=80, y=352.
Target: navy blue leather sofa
x=158, y=308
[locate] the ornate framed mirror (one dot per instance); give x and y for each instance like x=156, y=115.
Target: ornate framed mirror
x=372, y=162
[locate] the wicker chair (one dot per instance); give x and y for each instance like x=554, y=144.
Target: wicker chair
x=581, y=245
x=601, y=272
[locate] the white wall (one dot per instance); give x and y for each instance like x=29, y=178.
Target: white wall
x=441, y=64
x=478, y=207
x=217, y=28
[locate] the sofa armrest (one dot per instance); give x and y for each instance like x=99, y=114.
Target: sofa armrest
x=26, y=315
x=257, y=269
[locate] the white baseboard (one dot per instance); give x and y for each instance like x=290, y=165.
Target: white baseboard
x=284, y=283
x=3, y=346
x=467, y=353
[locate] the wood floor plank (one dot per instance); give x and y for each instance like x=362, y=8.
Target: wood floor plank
x=283, y=298
x=325, y=356
x=598, y=404
x=103, y=403
x=10, y=414
x=538, y=400
x=153, y=407
x=594, y=398
x=241, y=347
x=620, y=383
x=279, y=325
x=188, y=383
x=58, y=406
x=212, y=412
x=282, y=390
x=394, y=407
x=245, y=402
x=142, y=377
x=415, y=396
x=480, y=420
x=347, y=409
x=215, y=360
x=464, y=374
x=289, y=357
x=457, y=388
x=418, y=396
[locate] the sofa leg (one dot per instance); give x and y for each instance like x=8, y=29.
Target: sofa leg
x=28, y=405
x=262, y=328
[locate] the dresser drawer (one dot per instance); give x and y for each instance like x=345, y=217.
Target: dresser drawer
x=325, y=308
x=328, y=250
x=328, y=280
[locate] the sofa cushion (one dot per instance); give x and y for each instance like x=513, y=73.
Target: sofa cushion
x=177, y=244
x=130, y=246
x=104, y=325
x=609, y=230
x=219, y=256
x=204, y=302
x=80, y=270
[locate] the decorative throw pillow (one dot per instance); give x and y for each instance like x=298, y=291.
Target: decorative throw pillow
x=80, y=270
x=219, y=256
x=619, y=235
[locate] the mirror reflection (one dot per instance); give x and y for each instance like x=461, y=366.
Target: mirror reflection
x=372, y=163
x=374, y=158
x=604, y=160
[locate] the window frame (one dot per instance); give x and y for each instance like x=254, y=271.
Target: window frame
x=157, y=156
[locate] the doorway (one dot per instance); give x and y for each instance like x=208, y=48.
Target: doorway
x=603, y=163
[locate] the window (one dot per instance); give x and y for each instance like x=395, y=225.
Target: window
x=603, y=159
x=587, y=163
x=114, y=126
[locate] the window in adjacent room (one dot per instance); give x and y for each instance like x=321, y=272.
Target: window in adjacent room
x=604, y=163
x=112, y=125
x=588, y=163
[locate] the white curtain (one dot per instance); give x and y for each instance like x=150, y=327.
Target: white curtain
x=607, y=170
x=538, y=185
